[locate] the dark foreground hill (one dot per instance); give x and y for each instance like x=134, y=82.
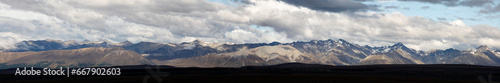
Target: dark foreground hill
x=283, y=73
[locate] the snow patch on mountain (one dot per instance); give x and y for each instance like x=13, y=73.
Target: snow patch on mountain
x=189, y=46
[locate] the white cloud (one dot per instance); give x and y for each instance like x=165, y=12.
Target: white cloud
x=96, y=20
x=489, y=42
x=242, y=36
x=9, y=39
x=433, y=44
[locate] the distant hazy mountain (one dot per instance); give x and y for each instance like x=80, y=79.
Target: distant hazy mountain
x=49, y=44
x=206, y=54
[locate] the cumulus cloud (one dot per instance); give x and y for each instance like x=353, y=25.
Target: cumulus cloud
x=170, y=14
x=489, y=42
x=18, y=25
x=136, y=21
x=242, y=36
x=181, y=21
x=8, y=39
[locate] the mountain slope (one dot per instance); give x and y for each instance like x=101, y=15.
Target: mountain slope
x=397, y=54
x=85, y=57
x=332, y=52
x=263, y=55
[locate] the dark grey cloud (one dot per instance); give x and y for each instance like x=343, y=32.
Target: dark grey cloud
x=461, y=18
x=434, y=1
x=472, y=3
x=442, y=19
x=396, y=7
x=406, y=8
x=490, y=17
x=391, y=7
x=494, y=9
x=444, y=2
x=425, y=7
x=330, y=5
x=473, y=19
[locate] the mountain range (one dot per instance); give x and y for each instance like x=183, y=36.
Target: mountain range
x=55, y=53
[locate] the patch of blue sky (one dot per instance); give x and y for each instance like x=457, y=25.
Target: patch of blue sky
x=227, y=2
x=263, y=28
x=469, y=15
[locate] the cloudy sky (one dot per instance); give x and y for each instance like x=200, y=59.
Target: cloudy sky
x=419, y=24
